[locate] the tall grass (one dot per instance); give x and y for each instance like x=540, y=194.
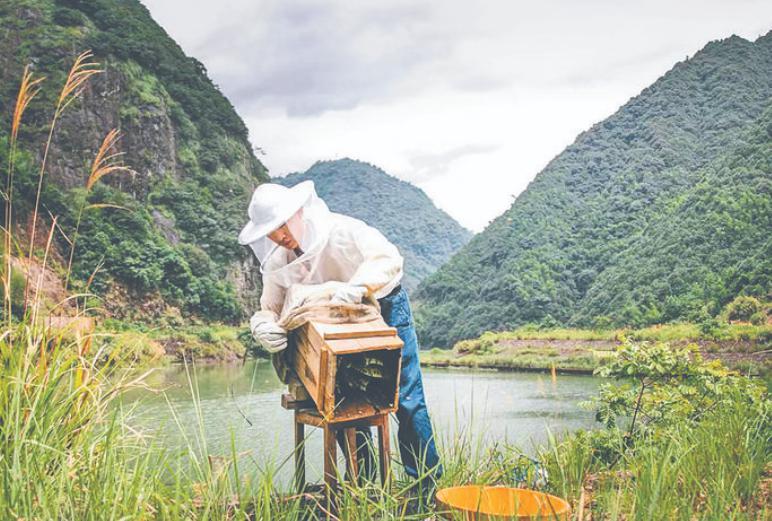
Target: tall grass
x=710, y=470
x=67, y=452
x=105, y=162
x=83, y=68
x=28, y=89
x=61, y=454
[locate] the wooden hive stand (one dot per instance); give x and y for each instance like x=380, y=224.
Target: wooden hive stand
x=317, y=353
x=306, y=414
x=319, y=350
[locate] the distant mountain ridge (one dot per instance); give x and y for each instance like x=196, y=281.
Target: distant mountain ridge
x=425, y=235
x=660, y=212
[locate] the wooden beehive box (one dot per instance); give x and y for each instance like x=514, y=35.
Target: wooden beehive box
x=321, y=349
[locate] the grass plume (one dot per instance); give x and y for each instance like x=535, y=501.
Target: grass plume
x=28, y=89
x=81, y=71
x=106, y=158
x=106, y=161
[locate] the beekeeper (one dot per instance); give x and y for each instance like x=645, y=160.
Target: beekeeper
x=296, y=239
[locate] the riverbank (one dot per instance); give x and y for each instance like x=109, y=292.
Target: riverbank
x=143, y=345
x=743, y=347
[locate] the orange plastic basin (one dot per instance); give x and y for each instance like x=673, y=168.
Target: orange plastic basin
x=473, y=502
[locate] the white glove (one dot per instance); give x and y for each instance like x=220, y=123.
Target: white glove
x=265, y=330
x=349, y=294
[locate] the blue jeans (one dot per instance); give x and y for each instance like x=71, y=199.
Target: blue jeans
x=415, y=436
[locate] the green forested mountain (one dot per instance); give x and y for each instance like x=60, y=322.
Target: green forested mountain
x=425, y=235
x=661, y=212
x=173, y=246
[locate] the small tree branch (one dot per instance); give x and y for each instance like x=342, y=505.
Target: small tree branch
x=637, y=408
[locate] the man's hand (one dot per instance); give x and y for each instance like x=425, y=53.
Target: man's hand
x=265, y=330
x=349, y=295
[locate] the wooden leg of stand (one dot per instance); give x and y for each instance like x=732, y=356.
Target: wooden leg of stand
x=330, y=457
x=384, y=449
x=300, y=456
x=351, y=454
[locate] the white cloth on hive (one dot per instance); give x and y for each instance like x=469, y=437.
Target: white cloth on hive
x=304, y=303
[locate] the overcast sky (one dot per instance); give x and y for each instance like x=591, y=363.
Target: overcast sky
x=468, y=100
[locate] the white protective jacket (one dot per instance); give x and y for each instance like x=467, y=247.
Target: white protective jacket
x=354, y=253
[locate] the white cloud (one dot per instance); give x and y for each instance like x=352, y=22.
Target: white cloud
x=468, y=100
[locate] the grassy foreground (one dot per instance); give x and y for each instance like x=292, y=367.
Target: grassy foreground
x=696, y=448
x=744, y=347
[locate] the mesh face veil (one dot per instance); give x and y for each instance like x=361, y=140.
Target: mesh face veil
x=310, y=226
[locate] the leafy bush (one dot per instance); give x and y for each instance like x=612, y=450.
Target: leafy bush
x=742, y=308
x=709, y=326
x=669, y=386
x=206, y=334
x=759, y=318
x=602, y=322
x=479, y=346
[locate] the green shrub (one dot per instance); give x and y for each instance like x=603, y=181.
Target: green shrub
x=709, y=327
x=666, y=386
x=18, y=281
x=742, y=308
x=549, y=322
x=759, y=318
x=602, y=322
x=68, y=17
x=480, y=346
x=207, y=334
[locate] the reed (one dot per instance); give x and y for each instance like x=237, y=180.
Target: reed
x=83, y=68
x=28, y=89
x=106, y=161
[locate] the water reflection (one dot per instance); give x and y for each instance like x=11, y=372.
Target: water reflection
x=239, y=406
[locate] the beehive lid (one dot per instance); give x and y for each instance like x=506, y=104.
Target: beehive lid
x=374, y=328
x=358, y=345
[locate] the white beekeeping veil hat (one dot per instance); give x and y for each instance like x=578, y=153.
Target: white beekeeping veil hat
x=307, y=218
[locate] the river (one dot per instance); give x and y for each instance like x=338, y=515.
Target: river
x=239, y=407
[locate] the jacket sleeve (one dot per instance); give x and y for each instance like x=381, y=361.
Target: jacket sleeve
x=272, y=298
x=381, y=260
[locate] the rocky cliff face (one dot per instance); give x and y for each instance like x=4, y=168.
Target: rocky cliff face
x=192, y=166
x=149, y=141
